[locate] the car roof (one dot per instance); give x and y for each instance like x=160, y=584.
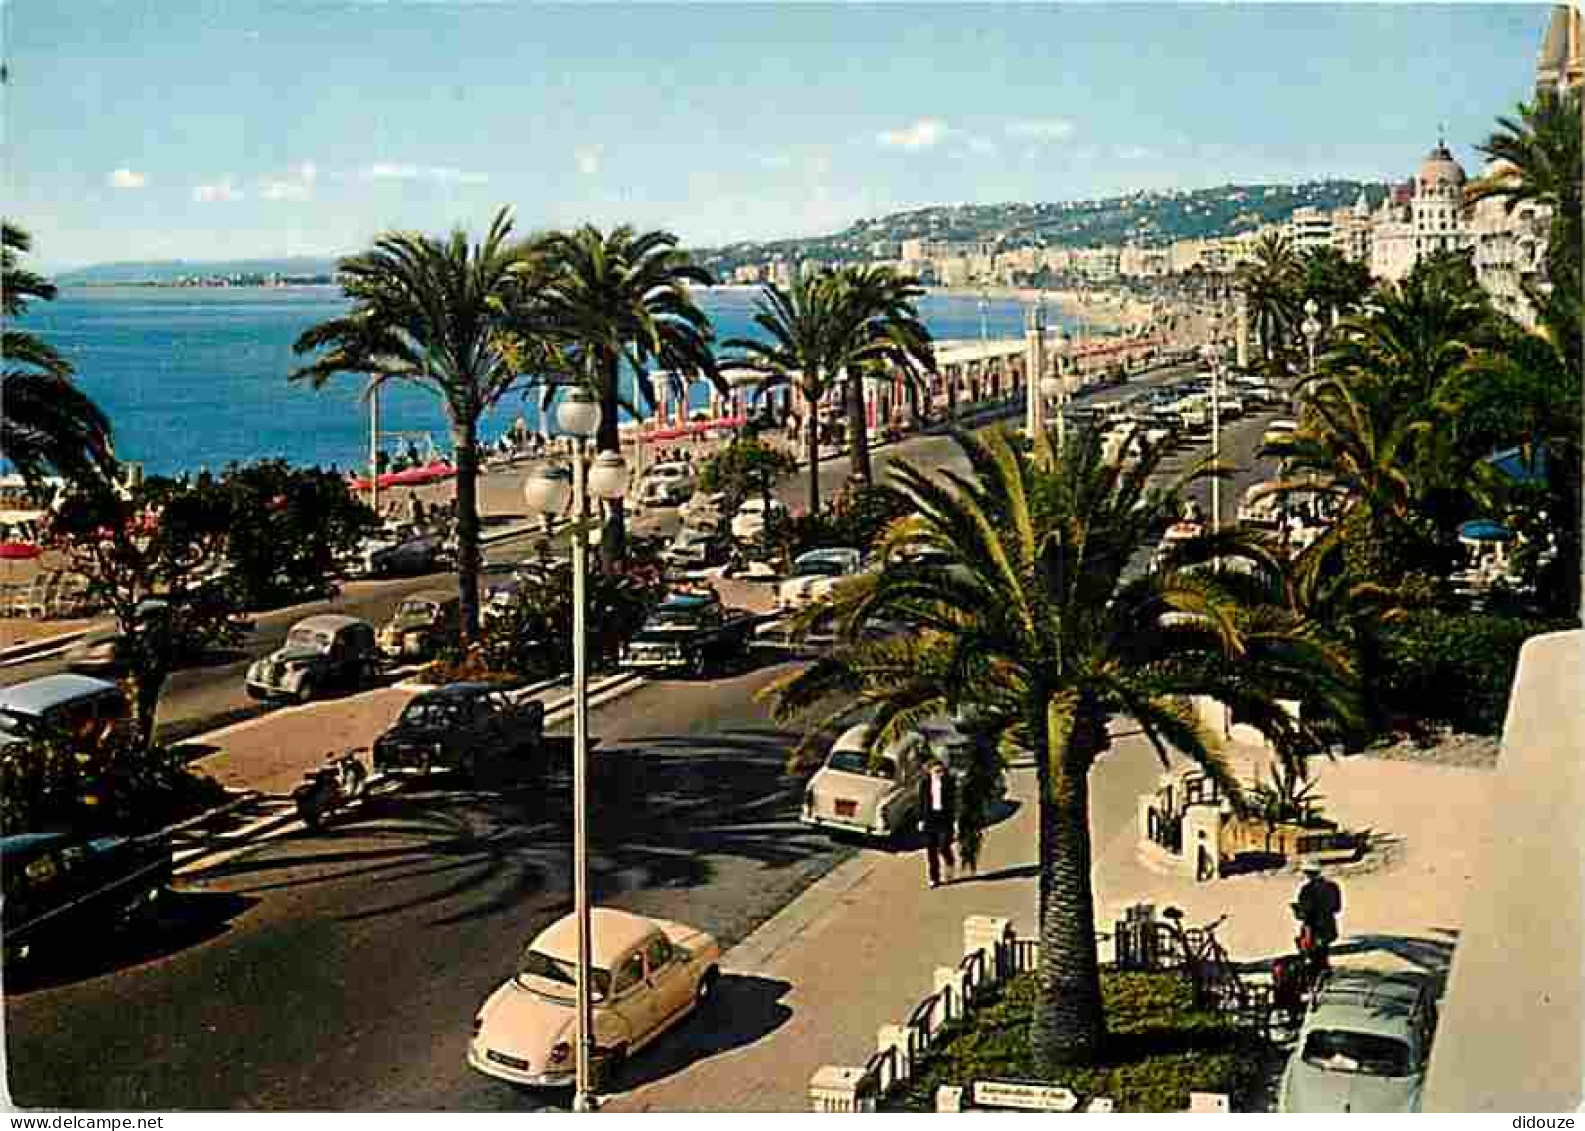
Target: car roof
x=830, y=553
x=327, y=622
x=36, y=696
x=438, y=596
x=1367, y=1002
x=613, y=934
x=457, y=690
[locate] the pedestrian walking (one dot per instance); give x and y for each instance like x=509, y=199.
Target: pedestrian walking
x=938, y=813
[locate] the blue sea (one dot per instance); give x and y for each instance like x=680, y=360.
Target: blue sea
x=197, y=377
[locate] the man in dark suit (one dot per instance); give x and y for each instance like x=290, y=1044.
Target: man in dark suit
x=938, y=812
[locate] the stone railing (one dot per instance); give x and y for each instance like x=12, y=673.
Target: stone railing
x=992, y=953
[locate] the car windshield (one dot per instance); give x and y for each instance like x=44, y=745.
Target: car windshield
x=1370, y=1054
x=309, y=638
x=819, y=567
x=431, y=713
x=678, y=615
x=858, y=762
x=556, y=978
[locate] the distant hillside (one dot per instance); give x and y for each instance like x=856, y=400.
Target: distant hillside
x=171, y=270
x=1144, y=217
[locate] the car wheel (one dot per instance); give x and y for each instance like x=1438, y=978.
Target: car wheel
x=305, y=691
x=699, y=666
x=608, y=1065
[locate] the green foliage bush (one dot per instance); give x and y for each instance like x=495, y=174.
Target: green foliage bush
x=748, y=466
x=1454, y=669
x=1158, y=1049
x=115, y=787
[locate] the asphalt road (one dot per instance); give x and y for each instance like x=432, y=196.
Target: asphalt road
x=341, y=971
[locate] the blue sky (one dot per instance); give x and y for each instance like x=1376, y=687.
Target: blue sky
x=158, y=129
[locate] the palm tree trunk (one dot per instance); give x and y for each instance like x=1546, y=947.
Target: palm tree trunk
x=465, y=442
x=858, y=430
x=812, y=443
x=1069, y=1023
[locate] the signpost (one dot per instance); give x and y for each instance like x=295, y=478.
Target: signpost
x=1024, y=1097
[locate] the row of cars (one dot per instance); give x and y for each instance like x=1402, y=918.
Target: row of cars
x=1181, y=412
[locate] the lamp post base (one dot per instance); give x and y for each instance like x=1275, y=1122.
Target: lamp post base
x=585, y=1102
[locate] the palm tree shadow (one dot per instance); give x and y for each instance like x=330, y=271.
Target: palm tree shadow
x=745, y=1009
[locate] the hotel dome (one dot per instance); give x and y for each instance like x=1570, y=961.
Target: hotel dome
x=1439, y=173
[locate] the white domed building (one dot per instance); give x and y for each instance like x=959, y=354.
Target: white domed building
x=1431, y=219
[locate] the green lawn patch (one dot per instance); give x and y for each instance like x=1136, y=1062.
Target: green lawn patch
x=1158, y=1049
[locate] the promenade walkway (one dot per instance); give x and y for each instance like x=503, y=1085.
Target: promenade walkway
x=857, y=950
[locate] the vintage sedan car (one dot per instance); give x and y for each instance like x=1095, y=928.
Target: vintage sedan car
x=1363, y=1045
x=697, y=547
x=648, y=975
x=815, y=575
x=666, y=485
x=751, y=518
x=320, y=652
x=77, y=709
x=402, y=549
x=422, y=623
x=689, y=632
x=61, y=888
x=704, y=507
x=474, y=729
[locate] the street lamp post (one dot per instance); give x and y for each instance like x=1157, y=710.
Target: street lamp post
x=546, y=490
x=1212, y=359
x=1311, y=329
x=1054, y=385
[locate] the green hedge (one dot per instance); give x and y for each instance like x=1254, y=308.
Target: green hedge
x=114, y=787
x=1454, y=669
x=1158, y=1049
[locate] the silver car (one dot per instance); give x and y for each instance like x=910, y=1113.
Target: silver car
x=1363, y=1045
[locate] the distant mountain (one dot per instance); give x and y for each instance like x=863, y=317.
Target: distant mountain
x=172, y=270
x=1152, y=218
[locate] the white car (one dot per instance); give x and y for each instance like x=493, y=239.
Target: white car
x=1362, y=1047
x=751, y=518
x=702, y=507
x=648, y=975
x=814, y=575
x=1278, y=431
x=666, y=485
x=879, y=797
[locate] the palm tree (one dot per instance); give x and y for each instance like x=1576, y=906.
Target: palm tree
x=1271, y=282
x=621, y=297
x=1036, y=632
x=803, y=328
x=46, y=421
x=887, y=334
x=1338, y=285
x=435, y=312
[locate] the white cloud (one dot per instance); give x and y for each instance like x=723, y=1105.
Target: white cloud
x=588, y=159
x=216, y=192
x=923, y=134
x=127, y=179
x=1040, y=129
x=1133, y=152
x=298, y=184
x=442, y=174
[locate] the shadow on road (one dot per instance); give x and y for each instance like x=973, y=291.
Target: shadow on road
x=182, y=919
x=746, y=1009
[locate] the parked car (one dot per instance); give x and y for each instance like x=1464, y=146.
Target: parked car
x=697, y=547
x=751, y=518
x=404, y=550
x=473, y=729
x=703, y=506
x=648, y=974
x=815, y=575
x=689, y=631
x=1362, y=1047
x=320, y=652
x=62, y=888
x=67, y=706
x=666, y=485
x=422, y=624
x=1278, y=432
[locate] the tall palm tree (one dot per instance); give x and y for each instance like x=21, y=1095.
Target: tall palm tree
x=1037, y=633
x=1338, y=285
x=46, y=421
x=618, y=298
x=804, y=327
x=1271, y=282
x=887, y=334
x=435, y=312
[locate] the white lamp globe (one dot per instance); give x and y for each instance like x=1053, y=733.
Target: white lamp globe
x=548, y=489
x=578, y=413
x=1311, y=308
x=608, y=476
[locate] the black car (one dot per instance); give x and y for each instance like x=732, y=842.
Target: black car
x=61, y=888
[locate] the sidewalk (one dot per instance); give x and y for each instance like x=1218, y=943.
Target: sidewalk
x=857, y=950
